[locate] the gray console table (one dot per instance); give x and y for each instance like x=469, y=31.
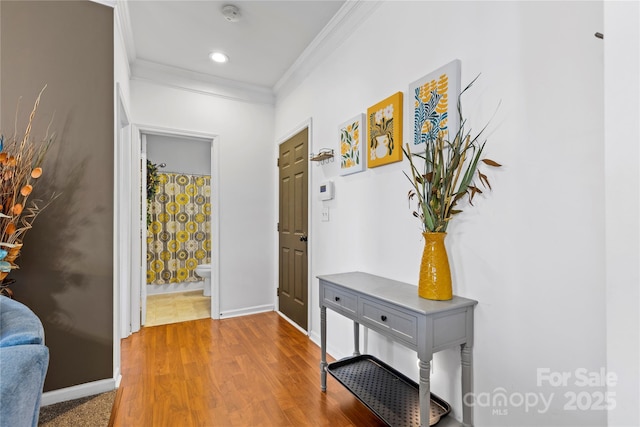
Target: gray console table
x=395, y=310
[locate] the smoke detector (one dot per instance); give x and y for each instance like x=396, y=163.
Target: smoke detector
x=231, y=13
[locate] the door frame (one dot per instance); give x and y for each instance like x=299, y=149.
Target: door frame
x=310, y=296
x=121, y=228
x=139, y=290
x=137, y=238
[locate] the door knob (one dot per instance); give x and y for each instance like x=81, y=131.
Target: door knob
x=303, y=238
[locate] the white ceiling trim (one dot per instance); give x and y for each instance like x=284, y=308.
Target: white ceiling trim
x=200, y=83
x=124, y=22
x=343, y=24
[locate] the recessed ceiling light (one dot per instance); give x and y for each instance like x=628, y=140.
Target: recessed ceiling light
x=219, y=57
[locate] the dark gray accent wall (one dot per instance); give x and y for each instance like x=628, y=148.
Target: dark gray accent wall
x=66, y=266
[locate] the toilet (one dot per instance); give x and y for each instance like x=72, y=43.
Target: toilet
x=204, y=271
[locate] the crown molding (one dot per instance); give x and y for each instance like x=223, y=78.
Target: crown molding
x=341, y=26
x=200, y=83
x=123, y=21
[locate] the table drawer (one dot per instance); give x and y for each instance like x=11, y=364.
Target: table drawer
x=337, y=298
x=388, y=320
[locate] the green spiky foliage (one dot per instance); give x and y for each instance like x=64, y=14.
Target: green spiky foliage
x=153, y=181
x=446, y=173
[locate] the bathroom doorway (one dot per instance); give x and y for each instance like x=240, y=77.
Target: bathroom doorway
x=182, y=232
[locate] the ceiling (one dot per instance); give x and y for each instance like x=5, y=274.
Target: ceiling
x=265, y=42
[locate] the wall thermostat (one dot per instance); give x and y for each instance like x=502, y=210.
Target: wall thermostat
x=326, y=191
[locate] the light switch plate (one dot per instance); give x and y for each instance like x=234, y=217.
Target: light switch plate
x=325, y=214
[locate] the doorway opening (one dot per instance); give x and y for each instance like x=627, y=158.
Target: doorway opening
x=178, y=238
x=183, y=231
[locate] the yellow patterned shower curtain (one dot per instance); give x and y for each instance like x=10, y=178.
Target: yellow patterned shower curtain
x=178, y=238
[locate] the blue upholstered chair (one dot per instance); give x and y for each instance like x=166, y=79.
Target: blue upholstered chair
x=24, y=360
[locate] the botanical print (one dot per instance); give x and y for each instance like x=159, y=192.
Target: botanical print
x=431, y=106
x=351, y=137
x=433, y=103
x=385, y=131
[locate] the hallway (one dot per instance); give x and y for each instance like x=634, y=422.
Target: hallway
x=246, y=371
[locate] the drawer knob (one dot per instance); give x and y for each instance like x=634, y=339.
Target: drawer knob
x=383, y=318
x=337, y=298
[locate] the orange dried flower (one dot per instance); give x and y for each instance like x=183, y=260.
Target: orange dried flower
x=26, y=190
x=11, y=228
x=17, y=209
x=36, y=173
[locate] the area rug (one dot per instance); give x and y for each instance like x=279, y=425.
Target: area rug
x=94, y=411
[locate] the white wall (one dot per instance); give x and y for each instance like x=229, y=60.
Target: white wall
x=622, y=160
x=181, y=155
x=532, y=251
x=247, y=168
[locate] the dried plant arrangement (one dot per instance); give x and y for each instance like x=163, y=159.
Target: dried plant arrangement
x=21, y=161
x=447, y=173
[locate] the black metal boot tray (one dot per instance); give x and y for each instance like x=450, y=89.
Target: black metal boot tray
x=389, y=394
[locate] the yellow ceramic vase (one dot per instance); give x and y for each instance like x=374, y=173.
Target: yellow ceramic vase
x=435, y=274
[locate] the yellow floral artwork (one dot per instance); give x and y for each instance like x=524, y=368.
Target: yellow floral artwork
x=352, y=133
x=384, y=121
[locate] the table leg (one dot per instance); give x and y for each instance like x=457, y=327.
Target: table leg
x=467, y=383
x=425, y=391
x=323, y=348
x=356, y=339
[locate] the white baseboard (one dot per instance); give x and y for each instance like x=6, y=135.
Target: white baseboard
x=247, y=311
x=315, y=338
x=78, y=391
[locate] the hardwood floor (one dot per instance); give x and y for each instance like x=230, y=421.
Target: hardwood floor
x=177, y=307
x=246, y=371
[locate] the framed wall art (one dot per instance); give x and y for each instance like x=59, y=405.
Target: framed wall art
x=432, y=106
x=353, y=157
x=384, y=125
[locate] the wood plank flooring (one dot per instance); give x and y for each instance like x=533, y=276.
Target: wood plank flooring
x=247, y=371
x=177, y=307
